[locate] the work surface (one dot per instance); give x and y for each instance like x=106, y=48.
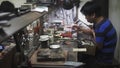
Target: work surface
x=69, y=57
x=70, y=51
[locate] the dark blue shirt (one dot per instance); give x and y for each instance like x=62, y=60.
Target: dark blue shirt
x=105, y=34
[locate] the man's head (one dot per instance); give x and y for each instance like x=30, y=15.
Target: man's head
x=91, y=10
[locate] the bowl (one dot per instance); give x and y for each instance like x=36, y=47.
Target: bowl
x=44, y=38
x=54, y=46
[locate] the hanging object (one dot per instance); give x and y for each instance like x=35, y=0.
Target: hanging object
x=67, y=4
x=7, y=6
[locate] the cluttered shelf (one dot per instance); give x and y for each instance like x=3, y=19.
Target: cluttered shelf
x=18, y=23
x=19, y=32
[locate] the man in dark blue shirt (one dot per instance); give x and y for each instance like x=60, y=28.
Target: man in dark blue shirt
x=106, y=38
x=105, y=33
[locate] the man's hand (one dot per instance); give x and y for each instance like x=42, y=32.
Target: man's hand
x=75, y=27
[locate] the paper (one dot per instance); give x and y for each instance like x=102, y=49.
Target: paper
x=4, y=13
x=3, y=21
x=72, y=63
x=79, y=49
x=40, y=9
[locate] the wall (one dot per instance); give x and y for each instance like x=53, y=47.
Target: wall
x=114, y=15
x=1, y=0
x=17, y=3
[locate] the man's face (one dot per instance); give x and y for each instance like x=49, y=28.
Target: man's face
x=90, y=18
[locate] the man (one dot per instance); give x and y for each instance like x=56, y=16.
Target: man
x=105, y=33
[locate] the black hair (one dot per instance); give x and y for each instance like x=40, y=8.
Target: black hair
x=91, y=7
